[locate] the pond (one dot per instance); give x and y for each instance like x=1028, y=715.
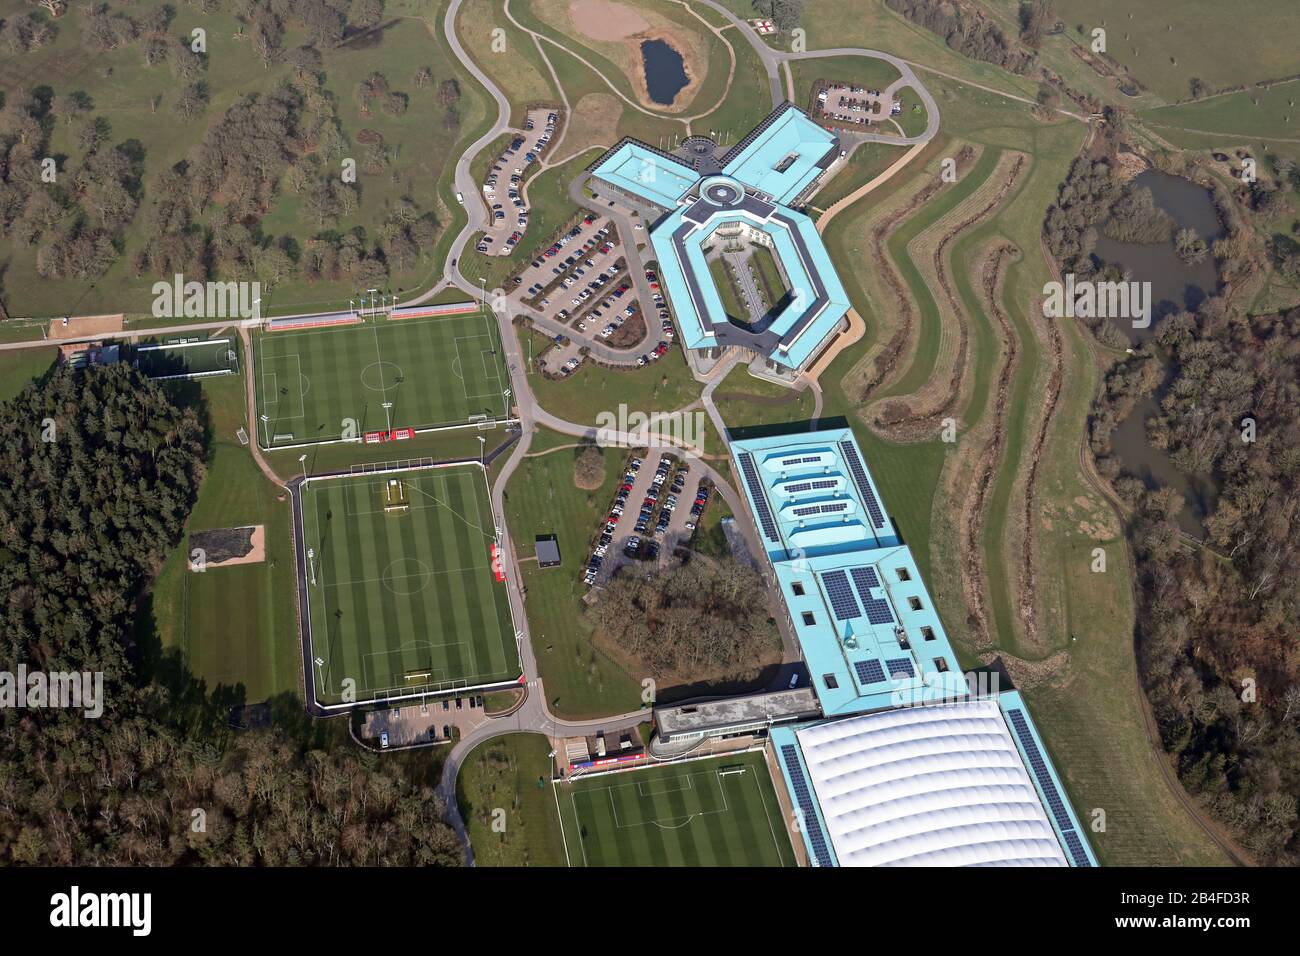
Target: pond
x=1174, y=286
x=1158, y=470
x=665, y=71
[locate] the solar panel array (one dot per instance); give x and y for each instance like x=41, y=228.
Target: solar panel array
x=900, y=667
x=865, y=579
x=804, y=798
x=1048, y=787
x=859, y=474
x=878, y=611
x=1077, y=852
x=805, y=460
x=869, y=672
x=843, y=602
x=826, y=483
x=807, y=510
x=795, y=489
x=760, y=499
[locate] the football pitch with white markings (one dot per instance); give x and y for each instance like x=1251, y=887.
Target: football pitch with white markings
x=402, y=596
x=716, y=812
x=327, y=384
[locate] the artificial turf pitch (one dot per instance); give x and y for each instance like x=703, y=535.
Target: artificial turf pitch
x=330, y=383
x=689, y=814
x=405, y=602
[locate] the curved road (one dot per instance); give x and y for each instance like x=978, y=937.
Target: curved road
x=534, y=716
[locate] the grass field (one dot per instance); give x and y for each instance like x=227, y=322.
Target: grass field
x=580, y=679
x=1165, y=45
x=326, y=384
x=234, y=627
x=21, y=367
x=508, y=779
x=1271, y=113
x=404, y=601
x=717, y=812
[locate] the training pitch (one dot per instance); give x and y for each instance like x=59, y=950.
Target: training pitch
x=716, y=812
x=329, y=384
x=401, y=594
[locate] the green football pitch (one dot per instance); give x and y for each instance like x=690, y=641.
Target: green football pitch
x=716, y=812
x=402, y=595
x=326, y=384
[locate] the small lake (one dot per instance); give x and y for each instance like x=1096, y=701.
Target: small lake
x=1157, y=469
x=665, y=71
x=1174, y=286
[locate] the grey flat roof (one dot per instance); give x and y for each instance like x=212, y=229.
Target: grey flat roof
x=735, y=711
x=548, y=549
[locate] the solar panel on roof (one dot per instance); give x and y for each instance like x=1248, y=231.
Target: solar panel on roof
x=826, y=483
x=804, y=798
x=795, y=489
x=865, y=579
x=756, y=493
x=859, y=474
x=869, y=672
x=1039, y=767
x=900, y=667
x=1077, y=852
x=878, y=611
x=843, y=602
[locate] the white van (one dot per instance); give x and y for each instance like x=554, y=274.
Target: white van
x=460, y=199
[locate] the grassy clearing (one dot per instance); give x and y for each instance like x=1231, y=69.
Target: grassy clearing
x=507, y=779
x=517, y=69
x=21, y=367
x=1270, y=113
x=662, y=386
x=866, y=163
x=1166, y=45
x=743, y=401
x=235, y=628
x=580, y=680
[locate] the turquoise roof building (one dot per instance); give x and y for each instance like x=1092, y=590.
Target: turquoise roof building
x=748, y=191
x=914, y=762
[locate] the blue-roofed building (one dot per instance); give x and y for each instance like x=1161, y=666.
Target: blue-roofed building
x=782, y=156
x=746, y=195
x=912, y=761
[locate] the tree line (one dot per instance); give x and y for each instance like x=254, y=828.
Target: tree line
x=970, y=32
x=1219, y=633
x=105, y=467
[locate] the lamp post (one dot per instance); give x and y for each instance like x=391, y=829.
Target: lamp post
x=302, y=460
x=482, y=449
x=311, y=561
